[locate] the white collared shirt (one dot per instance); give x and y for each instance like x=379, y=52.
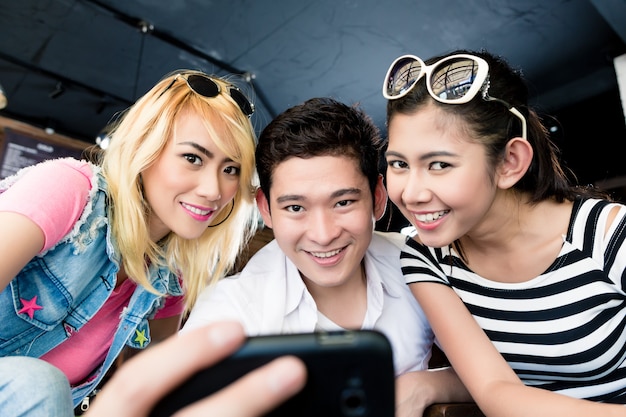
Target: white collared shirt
x=268, y=297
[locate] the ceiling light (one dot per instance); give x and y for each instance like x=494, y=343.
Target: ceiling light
x=103, y=140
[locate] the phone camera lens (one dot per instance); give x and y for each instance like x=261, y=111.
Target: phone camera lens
x=353, y=402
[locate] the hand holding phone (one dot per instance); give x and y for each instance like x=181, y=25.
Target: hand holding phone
x=350, y=374
x=141, y=382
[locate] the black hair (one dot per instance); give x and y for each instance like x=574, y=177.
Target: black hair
x=319, y=127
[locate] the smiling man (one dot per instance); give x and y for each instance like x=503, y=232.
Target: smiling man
x=327, y=269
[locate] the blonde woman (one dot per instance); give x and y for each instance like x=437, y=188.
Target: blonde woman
x=97, y=256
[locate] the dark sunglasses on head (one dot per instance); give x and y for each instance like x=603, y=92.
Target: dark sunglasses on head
x=206, y=87
x=455, y=79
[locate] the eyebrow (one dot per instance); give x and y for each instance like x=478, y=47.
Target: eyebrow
x=424, y=157
x=202, y=150
x=339, y=193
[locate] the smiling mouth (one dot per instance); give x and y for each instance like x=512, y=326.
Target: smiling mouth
x=196, y=210
x=328, y=254
x=431, y=217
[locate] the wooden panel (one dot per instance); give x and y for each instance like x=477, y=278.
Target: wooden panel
x=22, y=145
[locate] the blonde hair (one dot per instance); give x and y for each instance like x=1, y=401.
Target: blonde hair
x=137, y=140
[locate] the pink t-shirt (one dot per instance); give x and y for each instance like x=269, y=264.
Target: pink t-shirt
x=53, y=194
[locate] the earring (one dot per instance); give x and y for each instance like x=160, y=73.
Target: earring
x=227, y=216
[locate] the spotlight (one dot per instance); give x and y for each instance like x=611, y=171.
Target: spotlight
x=145, y=27
x=51, y=126
x=103, y=140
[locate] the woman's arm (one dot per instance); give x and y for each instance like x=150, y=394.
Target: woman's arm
x=20, y=240
x=35, y=211
x=490, y=380
x=138, y=385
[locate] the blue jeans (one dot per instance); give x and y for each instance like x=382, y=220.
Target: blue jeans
x=32, y=387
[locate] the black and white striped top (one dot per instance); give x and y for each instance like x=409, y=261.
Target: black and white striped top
x=564, y=330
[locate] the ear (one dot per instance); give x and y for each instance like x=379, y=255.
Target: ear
x=380, y=198
x=264, y=207
x=517, y=158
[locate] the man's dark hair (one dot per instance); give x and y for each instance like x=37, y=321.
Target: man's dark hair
x=319, y=127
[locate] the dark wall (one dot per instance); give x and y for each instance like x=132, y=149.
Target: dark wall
x=592, y=136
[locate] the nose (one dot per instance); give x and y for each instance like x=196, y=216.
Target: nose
x=323, y=227
x=209, y=186
x=416, y=190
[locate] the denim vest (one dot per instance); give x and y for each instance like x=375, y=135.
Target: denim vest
x=72, y=281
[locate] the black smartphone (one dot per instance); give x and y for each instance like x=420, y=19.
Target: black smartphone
x=350, y=374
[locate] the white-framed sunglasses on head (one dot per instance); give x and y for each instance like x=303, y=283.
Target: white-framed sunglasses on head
x=455, y=79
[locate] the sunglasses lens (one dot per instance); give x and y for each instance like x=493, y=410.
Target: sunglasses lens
x=206, y=87
x=203, y=85
x=402, y=76
x=244, y=104
x=452, y=79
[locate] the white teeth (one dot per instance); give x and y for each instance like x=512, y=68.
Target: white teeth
x=196, y=210
x=430, y=216
x=325, y=254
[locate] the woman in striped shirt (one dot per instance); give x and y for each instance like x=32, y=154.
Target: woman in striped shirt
x=521, y=274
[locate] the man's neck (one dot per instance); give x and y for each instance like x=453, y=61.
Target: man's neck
x=346, y=304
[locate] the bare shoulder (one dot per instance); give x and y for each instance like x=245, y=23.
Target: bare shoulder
x=613, y=213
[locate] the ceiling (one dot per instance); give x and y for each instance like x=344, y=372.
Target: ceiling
x=104, y=54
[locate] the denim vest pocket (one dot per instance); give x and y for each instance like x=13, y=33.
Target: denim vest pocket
x=38, y=296
x=39, y=304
